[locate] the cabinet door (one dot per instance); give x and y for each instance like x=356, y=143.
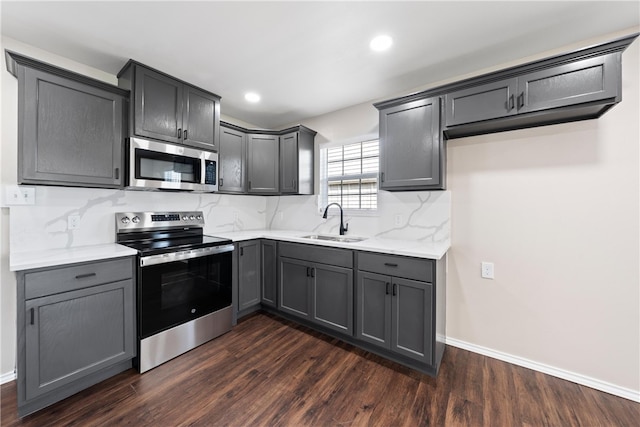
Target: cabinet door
x=373, y=309
x=579, y=82
x=484, y=102
x=157, y=106
x=411, y=146
x=411, y=313
x=248, y=274
x=72, y=334
x=295, y=296
x=231, y=157
x=263, y=170
x=269, y=273
x=332, y=298
x=289, y=163
x=71, y=133
x=201, y=119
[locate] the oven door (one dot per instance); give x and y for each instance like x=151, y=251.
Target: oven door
x=158, y=165
x=182, y=287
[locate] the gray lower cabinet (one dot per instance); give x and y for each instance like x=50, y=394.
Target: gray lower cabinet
x=71, y=128
x=263, y=173
x=232, y=157
x=269, y=282
x=411, y=146
x=316, y=284
x=249, y=254
x=395, y=314
x=76, y=327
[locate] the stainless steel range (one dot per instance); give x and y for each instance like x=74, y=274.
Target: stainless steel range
x=183, y=282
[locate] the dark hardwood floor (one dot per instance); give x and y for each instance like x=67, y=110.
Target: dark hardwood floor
x=271, y=372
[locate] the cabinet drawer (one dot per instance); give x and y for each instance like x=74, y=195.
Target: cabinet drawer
x=320, y=254
x=397, y=266
x=77, y=276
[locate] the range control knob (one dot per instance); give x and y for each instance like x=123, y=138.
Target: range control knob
x=184, y=218
x=199, y=217
x=125, y=220
x=135, y=219
x=192, y=217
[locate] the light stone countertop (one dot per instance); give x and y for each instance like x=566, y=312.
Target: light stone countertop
x=53, y=257
x=412, y=248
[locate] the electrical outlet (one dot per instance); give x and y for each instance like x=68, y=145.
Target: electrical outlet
x=397, y=219
x=487, y=270
x=73, y=222
x=16, y=195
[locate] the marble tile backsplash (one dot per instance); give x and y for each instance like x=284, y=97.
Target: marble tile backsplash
x=423, y=216
x=415, y=215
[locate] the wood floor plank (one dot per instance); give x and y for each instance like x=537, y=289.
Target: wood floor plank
x=271, y=372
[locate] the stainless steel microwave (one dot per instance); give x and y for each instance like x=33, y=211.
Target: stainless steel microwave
x=159, y=165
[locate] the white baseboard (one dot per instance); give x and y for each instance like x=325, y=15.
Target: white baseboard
x=626, y=393
x=6, y=377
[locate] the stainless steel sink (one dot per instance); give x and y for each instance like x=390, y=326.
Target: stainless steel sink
x=341, y=239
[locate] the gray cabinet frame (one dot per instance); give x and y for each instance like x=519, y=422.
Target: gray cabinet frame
x=70, y=127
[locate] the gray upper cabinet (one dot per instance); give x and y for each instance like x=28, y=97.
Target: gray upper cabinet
x=574, y=83
x=263, y=174
x=411, y=146
x=169, y=109
x=71, y=128
x=296, y=162
x=484, y=102
x=588, y=80
x=76, y=326
x=232, y=157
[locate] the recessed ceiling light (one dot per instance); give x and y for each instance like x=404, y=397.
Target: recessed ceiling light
x=252, y=97
x=381, y=43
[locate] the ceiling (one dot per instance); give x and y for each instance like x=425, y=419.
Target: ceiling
x=307, y=58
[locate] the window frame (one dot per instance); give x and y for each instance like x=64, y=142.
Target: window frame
x=323, y=195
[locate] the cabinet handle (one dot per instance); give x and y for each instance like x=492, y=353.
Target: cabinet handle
x=179, y=133
x=510, y=104
x=221, y=181
x=390, y=264
x=313, y=272
x=249, y=185
x=117, y=173
x=308, y=274
x=386, y=288
x=521, y=100
x=33, y=315
x=381, y=176
x=241, y=251
x=185, y=134
x=395, y=289
x=85, y=276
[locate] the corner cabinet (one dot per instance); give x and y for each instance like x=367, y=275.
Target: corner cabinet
x=76, y=327
x=232, y=159
x=70, y=127
x=411, y=146
x=169, y=109
x=265, y=162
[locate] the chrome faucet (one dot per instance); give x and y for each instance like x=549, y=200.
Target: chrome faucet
x=343, y=228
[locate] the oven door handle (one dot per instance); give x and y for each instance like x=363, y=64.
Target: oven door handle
x=182, y=255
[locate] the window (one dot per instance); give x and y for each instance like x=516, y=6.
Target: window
x=349, y=175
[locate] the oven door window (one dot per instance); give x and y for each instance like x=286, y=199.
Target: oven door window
x=176, y=292
x=166, y=167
